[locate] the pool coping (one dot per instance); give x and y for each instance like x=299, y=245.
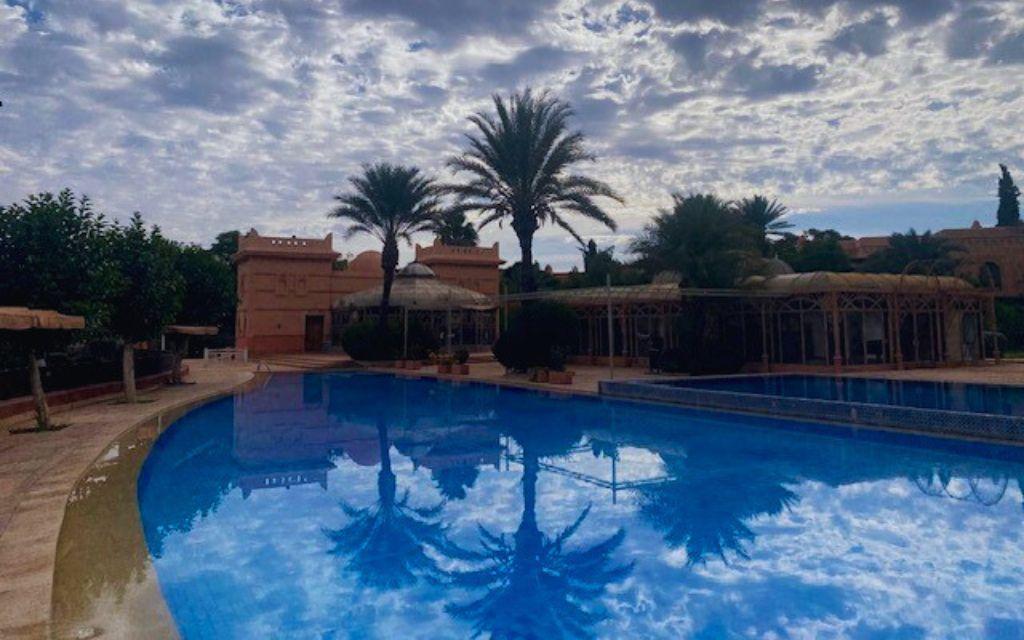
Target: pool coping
x=984, y=427
x=28, y=541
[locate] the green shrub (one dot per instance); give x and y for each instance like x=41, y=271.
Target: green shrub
x=1010, y=320
x=534, y=333
x=364, y=341
x=462, y=356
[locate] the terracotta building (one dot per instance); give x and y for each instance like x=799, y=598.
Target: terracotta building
x=287, y=287
x=993, y=256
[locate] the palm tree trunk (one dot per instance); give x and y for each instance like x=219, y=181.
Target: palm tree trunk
x=36, y=382
x=128, y=372
x=527, y=281
x=388, y=263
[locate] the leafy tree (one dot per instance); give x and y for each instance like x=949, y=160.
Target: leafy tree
x=912, y=252
x=766, y=216
x=1009, y=200
x=700, y=237
x=816, y=250
x=519, y=162
x=225, y=246
x=148, y=293
x=391, y=203
x=208, y=288
x=452, y=229
x=52, y=256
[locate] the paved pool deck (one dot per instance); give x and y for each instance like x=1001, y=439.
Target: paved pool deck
x=39, y=471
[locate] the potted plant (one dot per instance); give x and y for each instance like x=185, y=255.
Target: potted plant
x=556, y=363
x=539, y=374
x=461, y=365
x=444, y=363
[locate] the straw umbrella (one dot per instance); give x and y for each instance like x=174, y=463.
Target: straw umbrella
x=30, y=327
x=180, y=349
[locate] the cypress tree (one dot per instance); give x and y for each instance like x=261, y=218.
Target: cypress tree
x=1009, y=200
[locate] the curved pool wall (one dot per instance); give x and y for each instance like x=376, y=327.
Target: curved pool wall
x=882, y=407
x=361, y=505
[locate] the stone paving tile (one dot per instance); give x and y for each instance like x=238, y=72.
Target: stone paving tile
x=38, y=471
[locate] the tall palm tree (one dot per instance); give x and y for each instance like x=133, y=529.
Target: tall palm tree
x=765, y=216
x=391, y=203
x=518, y=163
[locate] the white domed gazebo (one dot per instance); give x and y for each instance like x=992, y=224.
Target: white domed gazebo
x=458, y=316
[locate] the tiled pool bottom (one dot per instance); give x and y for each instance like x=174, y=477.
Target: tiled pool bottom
x=985, y=412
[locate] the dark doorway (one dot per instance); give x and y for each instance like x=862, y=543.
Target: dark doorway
x=314, y=333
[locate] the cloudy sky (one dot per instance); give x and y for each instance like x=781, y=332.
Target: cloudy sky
x=870, y=116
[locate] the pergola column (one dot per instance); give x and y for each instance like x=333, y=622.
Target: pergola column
x=837, y=357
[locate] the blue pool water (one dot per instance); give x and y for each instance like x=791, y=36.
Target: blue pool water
x=364, y=506
x=946, y=396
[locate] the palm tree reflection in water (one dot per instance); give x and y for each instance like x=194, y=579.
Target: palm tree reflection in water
x=387, y=544
x=535, y=586
x=707, y=512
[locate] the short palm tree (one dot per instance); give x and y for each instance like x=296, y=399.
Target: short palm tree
x=914, y=252
x=765, y=216
x=518, y=162
x=391, y=203
x=452, y=229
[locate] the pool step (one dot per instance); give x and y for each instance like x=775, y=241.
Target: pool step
x=308, y=361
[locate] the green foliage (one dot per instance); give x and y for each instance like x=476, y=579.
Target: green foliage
x=451, y=228
x=766, y=218
x=461, y=356
x=817, y=250
x=148, y=292
x=512, y=278
x=225, y=246
x=1009, y=199
x=208, y=288
x=366, y=340
x=1010, y=319
x=518, y=163
x=536, y=332
x=912, y=252
x=702, y=238
x=54, y=254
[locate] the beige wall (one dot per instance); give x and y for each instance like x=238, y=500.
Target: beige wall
x=283, y=281
x=1001, y=246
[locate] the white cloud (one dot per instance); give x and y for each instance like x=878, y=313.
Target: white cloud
x=216, y=114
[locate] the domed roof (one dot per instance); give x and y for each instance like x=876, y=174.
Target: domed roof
x=416, y=270
x=367, y=261
x=776, y=267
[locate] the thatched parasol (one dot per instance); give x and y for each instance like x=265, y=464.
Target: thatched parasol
x=19, y=319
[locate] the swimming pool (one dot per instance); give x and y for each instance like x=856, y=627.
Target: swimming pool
x=943, y=396
x=352, y=505
x=987, y=412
